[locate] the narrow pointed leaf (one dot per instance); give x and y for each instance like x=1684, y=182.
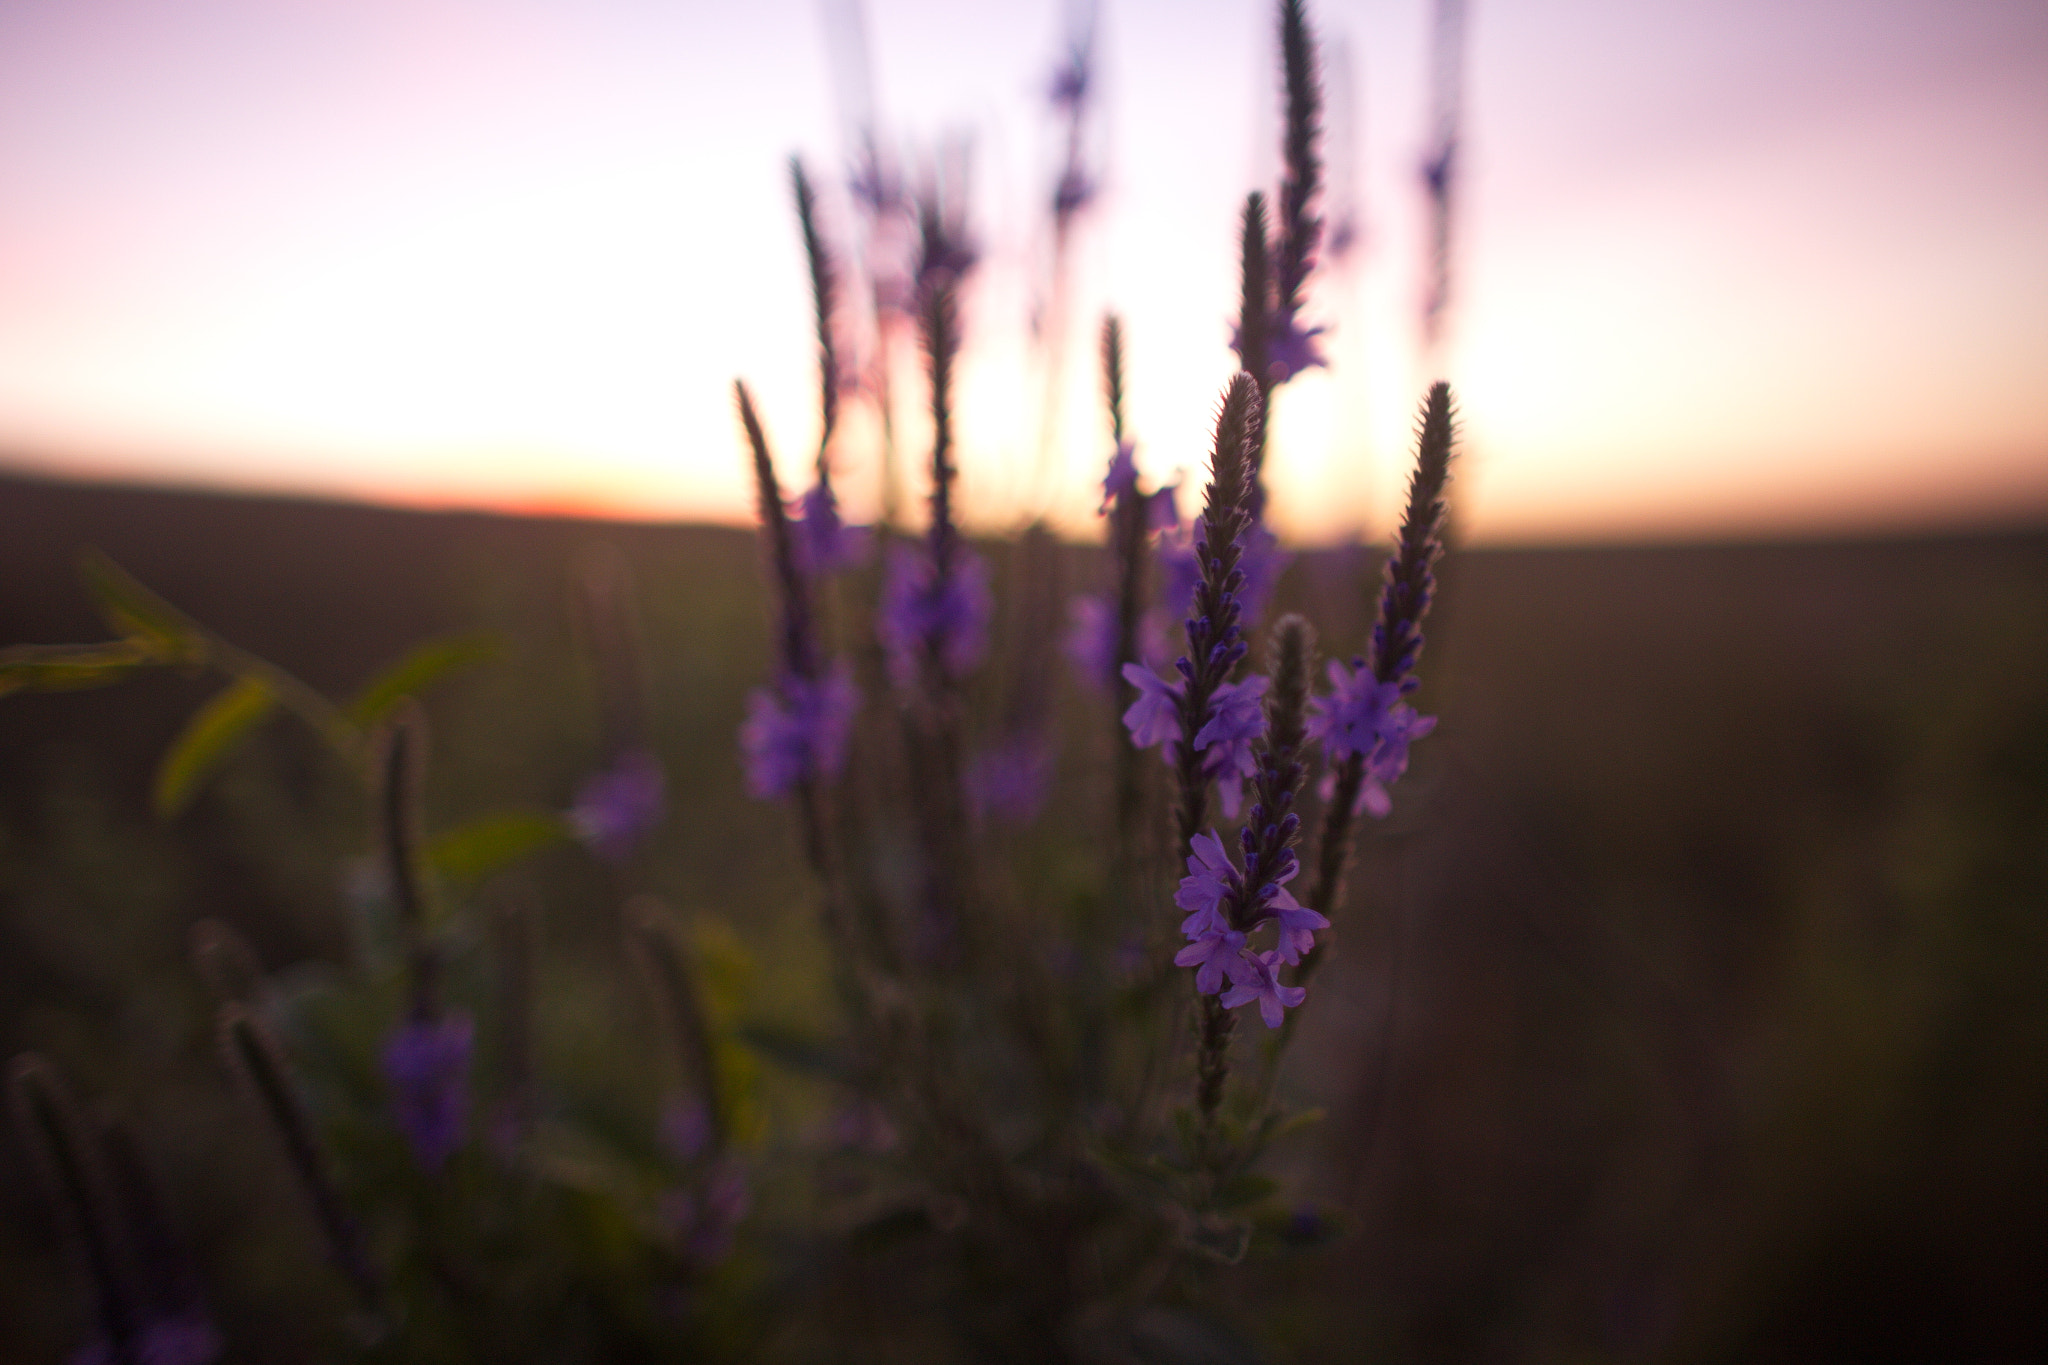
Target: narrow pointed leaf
x=212, y=733
x=472, y=851
x=411, y=674
x=142, y=616
x=62, y=668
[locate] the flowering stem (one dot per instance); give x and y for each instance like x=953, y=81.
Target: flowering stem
x=1127, y=531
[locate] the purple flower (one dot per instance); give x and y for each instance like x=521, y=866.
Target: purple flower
x=617, y=807
x=1256, y=976
x=1348, y=721
x=1122, y=476
x=1212, y=955
x=1291, y=348
x=1365, y=717
x=1211, y=881
x=1009, y=780
x=1154, y=718
x=1236, y=722
x=1390, y=759
x=797, y=731
x=948, y=617
x=822, y=542
x=1297, y=922
x=426, y=1063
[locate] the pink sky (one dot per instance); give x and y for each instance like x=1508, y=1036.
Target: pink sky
x=1733, y=268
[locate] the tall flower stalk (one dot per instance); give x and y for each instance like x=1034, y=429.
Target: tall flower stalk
x=1364, y=727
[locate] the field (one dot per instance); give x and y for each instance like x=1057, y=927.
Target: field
x=1693, y=1005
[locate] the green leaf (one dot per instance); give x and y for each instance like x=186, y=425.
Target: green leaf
x=60, y=668
x=208, y=737
x=472, y=851
x=168, y=634
x=411, y=674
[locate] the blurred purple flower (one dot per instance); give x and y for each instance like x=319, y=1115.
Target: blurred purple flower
x=822, y=542
x=862, y=1126
x=685, y=1127
x=1390, y=759
x=1122, y=476
x=705, y=1220
x=1068, y=89
x=949, y=617
x=1154, y=718
x=1075, y=192
x=1256, y=976
x=1009, y=780
x=426, y=1063
x=1091, y=640
x=1291, y=348
x=617, y=807
x=797, y=730
x=1236, y=722
x=188, y=1338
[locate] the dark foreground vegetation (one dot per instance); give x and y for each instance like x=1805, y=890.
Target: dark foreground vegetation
x=1706, y=1019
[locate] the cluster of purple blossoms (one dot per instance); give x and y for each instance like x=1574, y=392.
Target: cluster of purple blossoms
x=426, y=1064
x=821, y=542
x=1235, y=722
x=797, y=730
x=617, y=807
x=1222, y=912
x=922, y=610
x=1365, y=717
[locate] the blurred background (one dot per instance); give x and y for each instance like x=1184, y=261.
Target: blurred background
x=1694, y=1004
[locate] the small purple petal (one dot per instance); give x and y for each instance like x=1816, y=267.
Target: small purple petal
x=616, y=808
x=426, y=1064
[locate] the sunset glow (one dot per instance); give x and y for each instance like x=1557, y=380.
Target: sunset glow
x=1722, y=273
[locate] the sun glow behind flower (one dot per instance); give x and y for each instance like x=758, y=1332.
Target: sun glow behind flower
x=459, y=253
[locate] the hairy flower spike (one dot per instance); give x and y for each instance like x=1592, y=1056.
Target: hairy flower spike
x=1410, y=577
x=824, y=298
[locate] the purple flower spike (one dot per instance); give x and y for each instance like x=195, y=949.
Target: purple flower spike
x=685, y=1127
x=1257, y=977
x=948, y=617
x=616, y=808
x=797, y=731
x=1212, y=955
x=426, y=1063
x=1154, y=718
x=821, y=541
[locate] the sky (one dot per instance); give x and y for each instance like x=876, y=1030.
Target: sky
x=1748, y=268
